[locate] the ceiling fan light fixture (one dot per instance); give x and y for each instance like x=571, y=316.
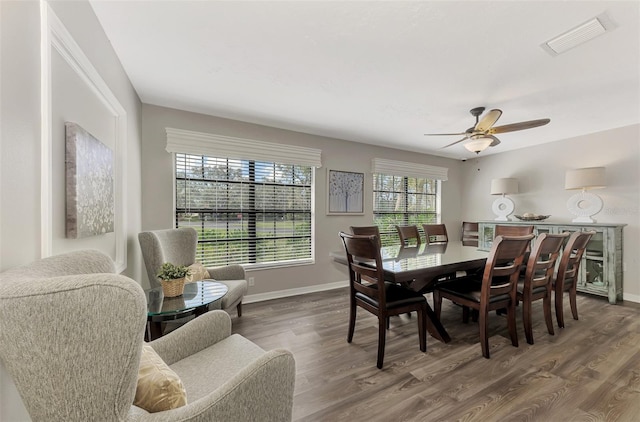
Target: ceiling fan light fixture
x=478, y=143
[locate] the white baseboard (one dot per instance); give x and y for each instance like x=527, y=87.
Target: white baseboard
x=294, y=292
x=260, y=297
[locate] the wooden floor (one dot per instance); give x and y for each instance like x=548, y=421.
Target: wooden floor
x=588, y=371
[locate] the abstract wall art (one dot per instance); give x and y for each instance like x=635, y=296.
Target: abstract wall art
x=345, y=192
x=89, y=184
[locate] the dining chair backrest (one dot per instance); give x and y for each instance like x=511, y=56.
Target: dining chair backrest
x=502, y=268
x=571, y=257
x=365, y=247
x=542, y=261
x=470, y=233
x=408, y=233
x=504, y=230
x=367, y=230
x=435, y=233
x=566, y=278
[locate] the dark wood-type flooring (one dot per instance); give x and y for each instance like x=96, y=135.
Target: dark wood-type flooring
x=588, y=371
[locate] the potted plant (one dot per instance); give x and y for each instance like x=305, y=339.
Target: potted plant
x=172, y=279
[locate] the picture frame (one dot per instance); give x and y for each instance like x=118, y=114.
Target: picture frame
x=345, y=192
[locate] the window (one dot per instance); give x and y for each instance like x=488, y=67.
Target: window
x=405, y=193
x=403, y=200
x=245, y=211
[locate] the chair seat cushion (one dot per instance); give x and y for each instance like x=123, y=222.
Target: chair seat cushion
x=159, y=388
x=468, y=288
x=396, y=296
x=237, y=289
x=223, y=360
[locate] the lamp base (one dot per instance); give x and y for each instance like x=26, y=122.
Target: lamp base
x=583, y=220
x=584, y=205
x=503, y=207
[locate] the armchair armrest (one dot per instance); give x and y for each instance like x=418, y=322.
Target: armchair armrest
x=261, y=391
x=195, y=335
x=227, y=272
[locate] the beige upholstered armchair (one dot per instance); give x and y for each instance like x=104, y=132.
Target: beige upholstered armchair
x=178, y=246
x=71, y=336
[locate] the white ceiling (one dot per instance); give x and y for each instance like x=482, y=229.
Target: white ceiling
x=383, y=72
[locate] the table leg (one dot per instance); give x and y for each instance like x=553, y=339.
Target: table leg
x=435, y=327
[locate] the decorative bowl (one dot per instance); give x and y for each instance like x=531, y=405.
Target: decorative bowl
x=532, y=217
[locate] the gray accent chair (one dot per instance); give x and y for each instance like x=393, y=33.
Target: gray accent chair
x=71, y=361
x=178, y=246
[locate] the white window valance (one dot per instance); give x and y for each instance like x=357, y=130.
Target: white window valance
x=198, y=143
x=403, y=168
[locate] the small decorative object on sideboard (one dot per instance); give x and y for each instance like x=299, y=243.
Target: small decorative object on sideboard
x=527, y=216
x=172, y=279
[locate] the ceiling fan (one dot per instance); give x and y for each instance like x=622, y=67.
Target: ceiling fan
x=481, y=136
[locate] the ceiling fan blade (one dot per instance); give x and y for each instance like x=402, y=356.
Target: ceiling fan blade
x=456, y=142
x=488, y=120
x=444, y=134
x=519, y=126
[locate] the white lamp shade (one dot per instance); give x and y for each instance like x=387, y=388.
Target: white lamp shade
x=504, y=186
x=586, y=178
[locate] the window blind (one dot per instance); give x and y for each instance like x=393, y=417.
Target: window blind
x=406, y=169
x=245, y=212
x=199, y=143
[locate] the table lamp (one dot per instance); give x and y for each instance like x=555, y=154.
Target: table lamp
x=585, y=204
x=503, y=206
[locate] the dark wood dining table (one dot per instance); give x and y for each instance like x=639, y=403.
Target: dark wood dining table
x=419, y=268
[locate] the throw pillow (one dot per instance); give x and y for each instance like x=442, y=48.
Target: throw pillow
x=198, y=272
x=159, y=388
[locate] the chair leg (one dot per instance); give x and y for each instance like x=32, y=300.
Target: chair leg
x=422, y=329
x=465, y=314
x=574, y=305
x=526, y=319
x=511, y=322
x=352, y=322
x=239, y=309
x=382, y=333
x=484, y=337
x=559, y=315
x=546, y=306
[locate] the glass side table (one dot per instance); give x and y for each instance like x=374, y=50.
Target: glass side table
x=198, y=298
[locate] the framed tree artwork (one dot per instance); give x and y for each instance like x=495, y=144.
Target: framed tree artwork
x=345, y=193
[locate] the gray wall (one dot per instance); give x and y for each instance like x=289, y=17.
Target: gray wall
x=540, y=171
x=20, y=154
x=157, y=195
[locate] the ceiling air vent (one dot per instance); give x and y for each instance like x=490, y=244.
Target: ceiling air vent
x=578, y=35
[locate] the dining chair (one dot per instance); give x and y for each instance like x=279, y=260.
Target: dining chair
x=537, y=281
x=494, y=289
x=368, y=231
x=566, y=279
x=435, y=233
x=504, y=230
x=368, y=290
x=470, y=233
x=408, y=233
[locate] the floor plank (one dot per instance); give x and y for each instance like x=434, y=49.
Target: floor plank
x=588, y=371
